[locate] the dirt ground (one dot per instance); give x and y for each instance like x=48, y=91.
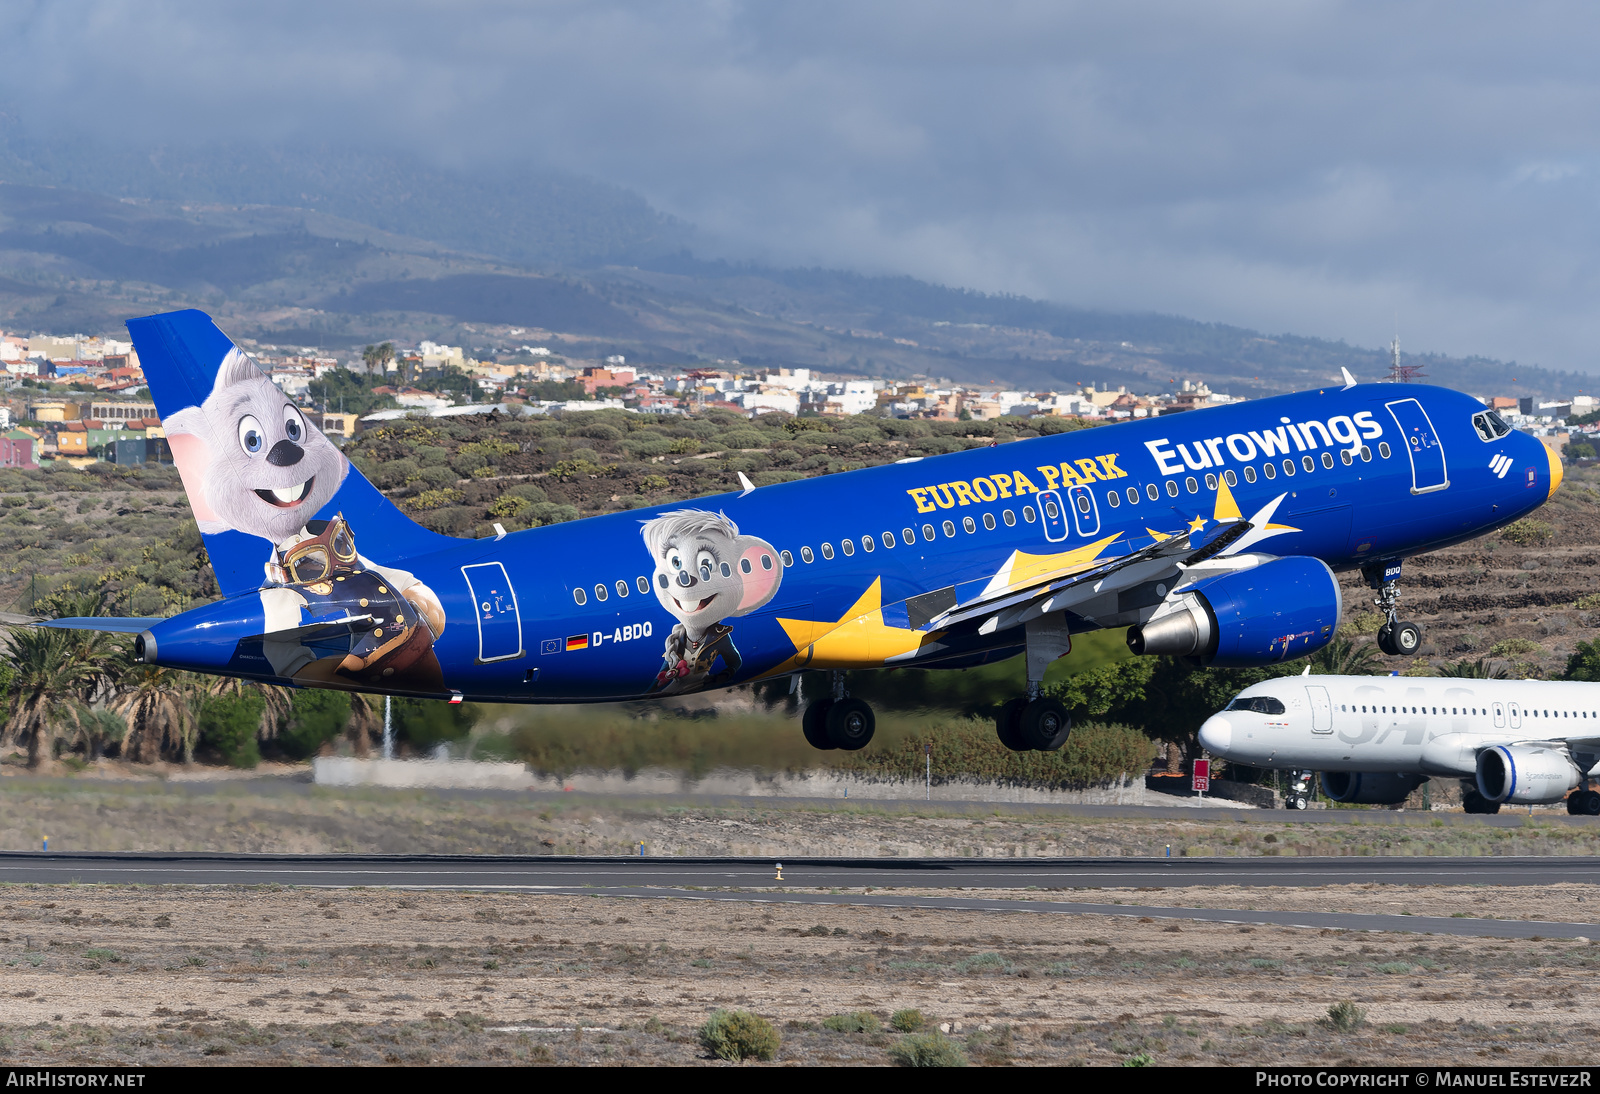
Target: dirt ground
x=175, y=975
x=93, y=815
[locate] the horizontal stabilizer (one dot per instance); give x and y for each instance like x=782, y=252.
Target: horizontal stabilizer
x=108, y=624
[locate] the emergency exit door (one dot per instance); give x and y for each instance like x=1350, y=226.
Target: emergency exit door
x=499, y=624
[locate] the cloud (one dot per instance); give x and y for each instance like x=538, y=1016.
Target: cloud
x=1315, y=167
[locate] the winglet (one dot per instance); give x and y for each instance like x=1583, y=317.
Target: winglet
x=1307, y=672
x=1349, y=380
x=746, y=483
x=1227, y=509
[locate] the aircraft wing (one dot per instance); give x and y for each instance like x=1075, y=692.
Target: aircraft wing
x=1091, y=585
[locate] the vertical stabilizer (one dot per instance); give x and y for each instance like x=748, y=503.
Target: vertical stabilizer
x=262, y=480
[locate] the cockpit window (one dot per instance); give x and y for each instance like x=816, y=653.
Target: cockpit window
x=1261, y=704
x=1490, y=426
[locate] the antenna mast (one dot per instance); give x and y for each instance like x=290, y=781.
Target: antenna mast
x=1402, y=374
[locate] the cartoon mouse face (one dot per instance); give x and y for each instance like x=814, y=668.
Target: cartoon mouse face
x=706, y=571
x=249, y=460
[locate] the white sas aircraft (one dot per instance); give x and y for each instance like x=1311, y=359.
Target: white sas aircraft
x=1375, y=739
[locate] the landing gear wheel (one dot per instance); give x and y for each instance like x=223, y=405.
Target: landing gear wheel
x=1474, y=802
x=1294, y=801
x=1044, y=725
x=850, y=724
x=1584, y=803
x=1406, y=638
x=814, y=723
x=1007, y=725
x=1386, y=640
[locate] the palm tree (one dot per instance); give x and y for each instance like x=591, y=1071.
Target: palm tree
x=55, y=673
x=1481, y=669
x=363, y=725
x=158, y=708
x=277, y=702
x=1345, y=657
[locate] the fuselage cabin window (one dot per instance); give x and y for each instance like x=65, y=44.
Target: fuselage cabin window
x=848, y=546
x=787, y=556
x=1113, y=498
x=1010, y=518
x=888, y=539
x=1028, y=514
x=969, y=524
x=867, y=545
x=1050, y=508
x=1249, y=474
x=1172, y=488
x=827, y=550
x=1083, y=503
x=1346, y=458
x=622, y=588
x=927, y=532
x=805, y=553
x=988, y=521
x=1269, y=471
x=1190, y=485
x=580, y=596
x=1288, y=467
x=1366, y=454
x=1153, y=492
x=1383, y=449
x=949, y=528
x=1230, y=478
x=908, y=536
x=1327, y=459
x=1133, y=495
x=1211, y=481
x=643, y=583
x=599, y=592
x=1308, y=463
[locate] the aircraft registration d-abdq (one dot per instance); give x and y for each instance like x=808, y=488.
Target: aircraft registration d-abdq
x=1375, y=739
x=1212, y=534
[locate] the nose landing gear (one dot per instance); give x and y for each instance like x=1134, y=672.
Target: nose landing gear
x=838, y=721
x=1397, y=637
x=1298, y=795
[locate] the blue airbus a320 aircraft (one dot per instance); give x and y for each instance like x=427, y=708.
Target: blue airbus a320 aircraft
x=1213, y=535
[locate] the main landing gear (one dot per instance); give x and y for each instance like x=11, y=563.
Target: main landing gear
x=1584, y=802
x=838, y=721
x=1397, y=637
x=1035, y=723
x=1474, y=802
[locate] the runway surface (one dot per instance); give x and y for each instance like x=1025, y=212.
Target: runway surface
x=755, y=880
x=569, y=872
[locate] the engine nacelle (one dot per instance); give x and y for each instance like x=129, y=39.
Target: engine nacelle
x=1285, y=608
x=1370, y=787
x=1526, y=774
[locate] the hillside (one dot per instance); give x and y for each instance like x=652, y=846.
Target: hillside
x=337, y=249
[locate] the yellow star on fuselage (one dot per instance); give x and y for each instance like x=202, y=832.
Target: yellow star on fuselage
x=857, y=639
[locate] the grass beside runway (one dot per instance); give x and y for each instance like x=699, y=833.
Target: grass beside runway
x=89, y=815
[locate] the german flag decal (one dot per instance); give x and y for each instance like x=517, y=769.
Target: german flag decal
x=577, y=642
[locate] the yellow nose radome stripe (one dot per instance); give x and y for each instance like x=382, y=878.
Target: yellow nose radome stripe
x=1555, y=469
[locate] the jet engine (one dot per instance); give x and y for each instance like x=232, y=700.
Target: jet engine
x=1370, y=787
x=1285, y=608
x=1525, y=774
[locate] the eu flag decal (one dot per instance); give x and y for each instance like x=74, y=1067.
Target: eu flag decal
x=550, y=645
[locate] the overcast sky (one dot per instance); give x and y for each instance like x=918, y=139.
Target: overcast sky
x=1317, y=168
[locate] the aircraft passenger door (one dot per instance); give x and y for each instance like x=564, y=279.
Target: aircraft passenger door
x=1085, y=513
x=1499, y=716
x=499, y=624
x=1321, y=709
x=1428, y=472
x=1516, y=715
x=1052, y=515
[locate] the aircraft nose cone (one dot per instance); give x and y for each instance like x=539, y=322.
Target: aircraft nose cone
x=1216, y=736
x=1554, y=457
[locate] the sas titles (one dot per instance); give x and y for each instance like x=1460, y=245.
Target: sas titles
x=1082, y=472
